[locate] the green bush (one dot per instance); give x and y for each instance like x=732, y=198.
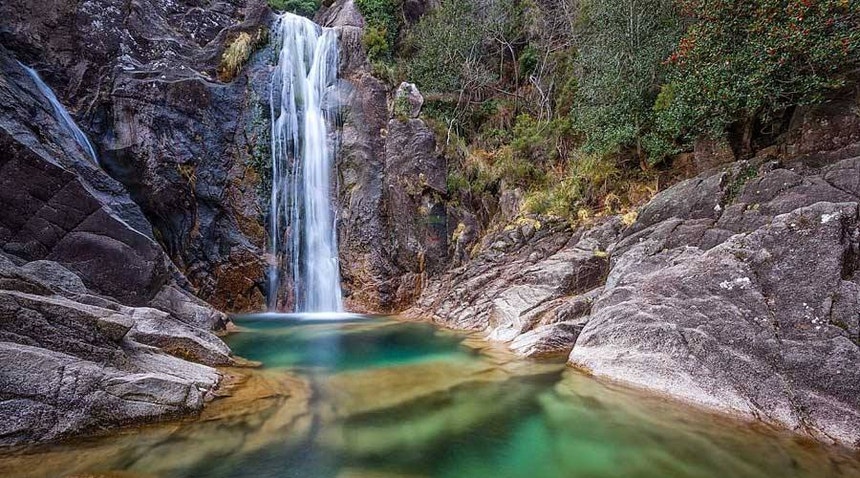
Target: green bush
x=620, y=65
x=382, y=27
x=516, y=170
x=529, y=59
x=375, y=42
x=459, y=46
x=444, y=40
x=745, y=61
x=305, y=8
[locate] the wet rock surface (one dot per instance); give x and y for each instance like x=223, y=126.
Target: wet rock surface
x=736, y=289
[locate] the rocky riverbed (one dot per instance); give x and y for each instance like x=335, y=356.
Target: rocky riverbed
x=400, y=399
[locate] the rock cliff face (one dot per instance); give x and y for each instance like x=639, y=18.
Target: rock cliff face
x=98, y=262
x=141, y=77
x=76, y=362
x=95, y=328
x=392, y=225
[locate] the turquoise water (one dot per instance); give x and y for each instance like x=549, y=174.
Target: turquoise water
x=379, y=398
x=285, y=342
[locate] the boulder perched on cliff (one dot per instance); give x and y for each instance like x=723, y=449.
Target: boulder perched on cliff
x=407, y=101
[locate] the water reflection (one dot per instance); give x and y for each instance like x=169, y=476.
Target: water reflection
x=376, y=398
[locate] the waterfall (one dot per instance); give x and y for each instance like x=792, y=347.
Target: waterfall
x=62, y=115
x=302, y=233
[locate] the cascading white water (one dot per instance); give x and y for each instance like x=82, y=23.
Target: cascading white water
x=62, y=115
x=302, y=225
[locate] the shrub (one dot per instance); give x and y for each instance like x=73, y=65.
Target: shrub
x=305, y=8
x=515, y=170
x=402, y=108
x=743, y=61
x=383, y=26
x=375, y=43
x=590, y=184
x=620, y=67
x=529, y=59
x=459, y=46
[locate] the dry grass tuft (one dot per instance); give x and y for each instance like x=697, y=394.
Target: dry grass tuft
x=237, y=53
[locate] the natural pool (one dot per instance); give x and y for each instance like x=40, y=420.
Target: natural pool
x=373, y=397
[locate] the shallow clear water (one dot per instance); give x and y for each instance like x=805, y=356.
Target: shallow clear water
x=378, y=398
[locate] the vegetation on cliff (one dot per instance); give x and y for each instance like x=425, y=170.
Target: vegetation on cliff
x=238, y=51
x=581, y=103
x=305, y=8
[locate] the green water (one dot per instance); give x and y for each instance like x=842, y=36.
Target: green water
x=377, y=398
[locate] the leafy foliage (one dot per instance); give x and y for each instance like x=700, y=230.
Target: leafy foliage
x=742, y=61
x=383, y=26
x=469, y=48
x=305, y=8
x=448, y=47
x=576, y=101
x=620, y=65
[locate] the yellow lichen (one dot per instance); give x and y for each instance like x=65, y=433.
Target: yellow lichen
x=458, y=232
x=630, y=217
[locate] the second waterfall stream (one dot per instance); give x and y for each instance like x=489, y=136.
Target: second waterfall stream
x=302, y=235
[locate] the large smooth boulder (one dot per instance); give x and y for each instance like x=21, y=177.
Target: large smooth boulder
x=765, y=324
x=50, y=395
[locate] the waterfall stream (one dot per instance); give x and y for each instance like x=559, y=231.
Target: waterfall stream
x=63, y=116
x=302, y=235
